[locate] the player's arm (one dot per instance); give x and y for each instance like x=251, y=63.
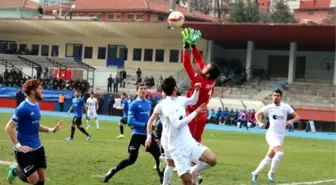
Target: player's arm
x=296, y=116
x=10, y=129
x=259, y=114
x=177, y=122
x=194, y=98
x=97, y=105
x=187, y=65
x=51, y=130
x=150, y=123
x=131, y=117
x=198, y=58
x=70, y=109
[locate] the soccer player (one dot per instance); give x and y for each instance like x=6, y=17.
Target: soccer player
x=124, y=108
x=78, y=106
x=157, y=113
x=92, y=107
x=207, y=78
x=138, y=116
x=29, y=152
x=182, y=147
x=277, y=114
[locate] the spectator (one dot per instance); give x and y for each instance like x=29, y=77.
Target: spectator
x=115, y=85
x=158, y=84
x=139, y=73
x=122, y=76
x=212, y=116
x=139, y=80
x=109, y=84
x=61, y=100
x=19, y=97
x=100, y=104
x=252, y=118
x=110, y=105
x=231, y=120
x=243, y=118
x=224, y=116
x=218, y=114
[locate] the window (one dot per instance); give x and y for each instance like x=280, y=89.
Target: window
x=54, y=50
x=311, y=12
x=88, y=52
x=101, y=53
x=137, y=52
x=159, y=55
x=331, y=12
x=13, y=46
x=98, y=15
x=130, y=17
x=138, y=17
x=133, y=17
x=45, y=50
x=174, y=55
x=115, y=17
x=35, y=49
x=161, y=18
x=148, y=55
x=125, y=53
x=22, y=47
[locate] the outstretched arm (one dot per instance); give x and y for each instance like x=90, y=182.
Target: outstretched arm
x=187, y=65
x=193, y=99
x=180, y=123
x=198, y=58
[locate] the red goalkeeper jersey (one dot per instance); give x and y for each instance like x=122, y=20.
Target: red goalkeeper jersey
x=207, y=86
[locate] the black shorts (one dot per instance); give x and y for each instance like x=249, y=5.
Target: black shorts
x=137, y=140
x=30, y=162
x=77, y=121
x=123, y=120
x=158, y=131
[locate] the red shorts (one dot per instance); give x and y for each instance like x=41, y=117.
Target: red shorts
x=197, y=126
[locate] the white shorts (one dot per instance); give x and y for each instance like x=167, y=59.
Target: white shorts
x=274, y=140
x=92, y=114
x=183, y=159
x=164, y=144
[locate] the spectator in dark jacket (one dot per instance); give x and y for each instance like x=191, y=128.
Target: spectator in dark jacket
x=19, y=97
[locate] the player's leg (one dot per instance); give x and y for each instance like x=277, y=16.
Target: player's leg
x=168, y=172
x=79, y=127
x=263, y=164
x=72, y=130
x=154, y=150
x=133, y=151
x=206, y=159
x=122, y=122
x=41, y=165
x=182, y=164
x=95, y=116
x=200, y=122
x=88, y=120
x=279, y=152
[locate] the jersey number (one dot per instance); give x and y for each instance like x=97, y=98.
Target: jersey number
x=210, y=95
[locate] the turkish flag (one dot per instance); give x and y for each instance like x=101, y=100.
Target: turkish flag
x=62, y=74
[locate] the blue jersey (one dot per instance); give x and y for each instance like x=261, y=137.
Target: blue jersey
x=124, y=102
x=138, y=116
x=78, y=106
x=27, y=118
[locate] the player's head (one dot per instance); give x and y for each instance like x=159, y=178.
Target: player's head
x=77, y=93
x=276, y=96
x=91, y=95
x=141, y=90
x=169, y=86
x=123, y=95
x=33, y=89
x=211, y=71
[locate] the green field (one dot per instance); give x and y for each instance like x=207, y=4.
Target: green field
x=84, y=163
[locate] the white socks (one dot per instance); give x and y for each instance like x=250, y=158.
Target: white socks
x=266, y=161
x=97, y=124
x=168, y=173
x=200, y=166
x=276, y=160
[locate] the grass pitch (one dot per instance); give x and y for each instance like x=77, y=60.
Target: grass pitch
x=84, y=163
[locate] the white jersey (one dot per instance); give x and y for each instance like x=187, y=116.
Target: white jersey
x=277, y=116
x=92, y=104
x=179, y=138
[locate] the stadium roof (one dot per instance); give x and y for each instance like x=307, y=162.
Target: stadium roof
x=18, y=4
x=320, y=36
x=155, y=6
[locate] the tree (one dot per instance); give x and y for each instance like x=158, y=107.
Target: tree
x=331, y=19
x=204, y=6
x=281, y=13
x=242, y=13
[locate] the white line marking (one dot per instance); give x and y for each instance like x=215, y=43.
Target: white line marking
x=312, y=182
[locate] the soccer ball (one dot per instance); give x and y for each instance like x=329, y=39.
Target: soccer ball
x=175, y=19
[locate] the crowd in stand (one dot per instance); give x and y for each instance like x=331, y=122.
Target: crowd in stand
x=118, y=81
x=232, y=117
x=15, y=78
